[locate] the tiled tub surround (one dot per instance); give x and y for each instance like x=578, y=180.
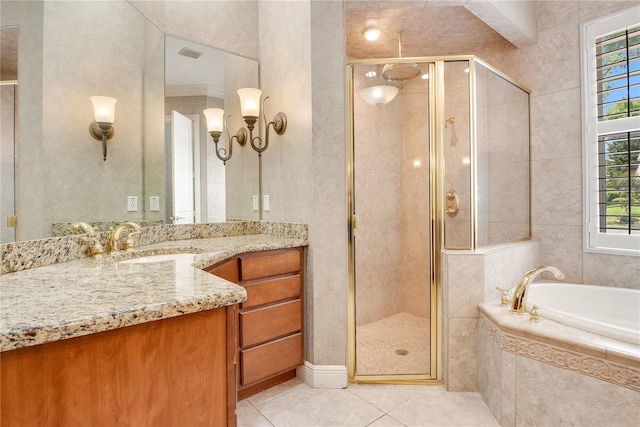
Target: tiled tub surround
x=90, y=295
x=548, y=373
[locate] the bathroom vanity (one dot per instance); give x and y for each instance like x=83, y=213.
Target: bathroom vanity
x=148, y=337
x=270, y=331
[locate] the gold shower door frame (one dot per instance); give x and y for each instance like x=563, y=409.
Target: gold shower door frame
x=437, y=191
x=434, y=376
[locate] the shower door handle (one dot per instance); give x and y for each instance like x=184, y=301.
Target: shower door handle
x=452, y=205
x=354, y=224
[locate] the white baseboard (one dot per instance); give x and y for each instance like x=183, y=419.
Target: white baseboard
x=323, y=376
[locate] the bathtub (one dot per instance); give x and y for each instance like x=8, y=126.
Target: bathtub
x=609, y=311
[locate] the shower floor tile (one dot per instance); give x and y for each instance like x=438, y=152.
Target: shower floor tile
x=396, y=345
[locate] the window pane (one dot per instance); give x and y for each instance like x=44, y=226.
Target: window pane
x=618, y=74
x=619, y=182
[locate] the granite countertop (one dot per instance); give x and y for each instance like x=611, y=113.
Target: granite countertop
x=90, y=295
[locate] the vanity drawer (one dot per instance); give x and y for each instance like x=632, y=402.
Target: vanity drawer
x=263, y=324
x=270, y=359
x=276, y=263
x=273, y=290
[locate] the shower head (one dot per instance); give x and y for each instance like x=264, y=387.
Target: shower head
x=400, y=72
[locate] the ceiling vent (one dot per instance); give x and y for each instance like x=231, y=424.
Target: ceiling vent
x=190, y=53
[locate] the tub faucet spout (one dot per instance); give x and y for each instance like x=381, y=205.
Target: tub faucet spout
x=519, y=300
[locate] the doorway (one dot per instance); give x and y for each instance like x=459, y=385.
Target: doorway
x=183, y=168
x=392, y=335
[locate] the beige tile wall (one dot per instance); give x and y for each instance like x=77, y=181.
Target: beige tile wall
x=556, y=150
x=469, y=279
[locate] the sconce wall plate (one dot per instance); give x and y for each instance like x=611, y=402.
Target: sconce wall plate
x=280, y=123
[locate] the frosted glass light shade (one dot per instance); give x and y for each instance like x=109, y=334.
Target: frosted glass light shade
x=379, y=94
x=372, y=33
x=215, y=119
x=249, y=101
x=104, y=108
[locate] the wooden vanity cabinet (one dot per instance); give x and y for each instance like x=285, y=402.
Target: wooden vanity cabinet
x=270, y=325
x=170, y=372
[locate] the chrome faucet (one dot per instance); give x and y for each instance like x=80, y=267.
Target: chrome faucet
x=114, y=239
x=519, y=300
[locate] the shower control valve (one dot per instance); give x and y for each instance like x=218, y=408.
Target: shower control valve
x=452, y=205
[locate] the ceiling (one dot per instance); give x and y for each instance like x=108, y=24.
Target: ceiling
x=430, y=29
x=185, y=76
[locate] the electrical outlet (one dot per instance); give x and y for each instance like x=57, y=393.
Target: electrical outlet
x=132, y=203
x=255, y=203
x=265, y=203
x=154, y=203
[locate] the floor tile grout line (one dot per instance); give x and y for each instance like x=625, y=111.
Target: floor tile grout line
x=382, y=416
x=263, y=415
x=375, y=406
x=280, y=394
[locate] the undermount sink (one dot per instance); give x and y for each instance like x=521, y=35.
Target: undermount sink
x=158, y=258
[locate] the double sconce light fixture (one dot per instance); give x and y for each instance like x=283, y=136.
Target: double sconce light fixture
x=104, y=108
x=250, y=107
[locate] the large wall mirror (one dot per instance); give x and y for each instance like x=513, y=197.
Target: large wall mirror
x=63, y=59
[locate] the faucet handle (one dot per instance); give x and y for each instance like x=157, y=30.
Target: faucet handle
x=128, y=244
x=535, y=314
x=505, y=300
x=94, y=245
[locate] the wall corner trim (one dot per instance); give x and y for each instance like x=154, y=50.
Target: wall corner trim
x=323, y=376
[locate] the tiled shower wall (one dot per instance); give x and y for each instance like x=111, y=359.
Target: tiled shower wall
x=415, y=271
x=502, y=160
x=378, y=204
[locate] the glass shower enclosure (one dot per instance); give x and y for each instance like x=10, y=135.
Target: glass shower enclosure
x=438, y=160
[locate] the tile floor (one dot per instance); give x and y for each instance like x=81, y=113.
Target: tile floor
x=397, y=344
x=295, y=404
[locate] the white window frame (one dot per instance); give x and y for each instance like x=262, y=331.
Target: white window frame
x=594, y=241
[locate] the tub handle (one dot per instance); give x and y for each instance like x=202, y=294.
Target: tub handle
x=505, y=300
x=535, y=314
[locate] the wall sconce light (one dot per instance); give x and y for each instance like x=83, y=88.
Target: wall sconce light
x=215, y=124
x=104, y=109
x=250, y=107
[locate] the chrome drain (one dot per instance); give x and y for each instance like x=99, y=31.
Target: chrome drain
x=402, y=352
